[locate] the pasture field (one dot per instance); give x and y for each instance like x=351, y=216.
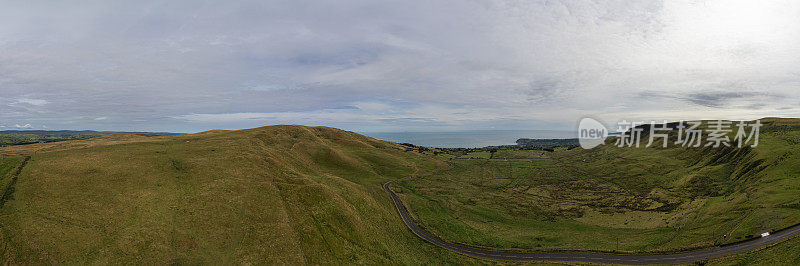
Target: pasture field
x=476, y=155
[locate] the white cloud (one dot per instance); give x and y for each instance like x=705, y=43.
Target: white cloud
x=35, y=102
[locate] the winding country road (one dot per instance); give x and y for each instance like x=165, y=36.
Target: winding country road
x=590, y=257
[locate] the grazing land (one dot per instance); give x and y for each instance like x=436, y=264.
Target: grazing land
x=614, y=199
x=477, y=155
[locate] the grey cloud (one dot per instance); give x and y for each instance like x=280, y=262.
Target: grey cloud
x=717, y=99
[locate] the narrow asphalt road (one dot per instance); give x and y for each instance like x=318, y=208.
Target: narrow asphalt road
x=590, y=257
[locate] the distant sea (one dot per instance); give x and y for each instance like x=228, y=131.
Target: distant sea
x=469, y=139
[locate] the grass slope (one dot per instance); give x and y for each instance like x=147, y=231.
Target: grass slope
x=280, y=194
x=611, y=198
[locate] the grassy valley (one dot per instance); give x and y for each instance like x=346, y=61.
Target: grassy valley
x=612, y=198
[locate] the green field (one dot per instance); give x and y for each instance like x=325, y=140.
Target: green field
x=476, y=155
x=611, y=198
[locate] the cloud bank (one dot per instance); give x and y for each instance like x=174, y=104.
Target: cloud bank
x=189, y=66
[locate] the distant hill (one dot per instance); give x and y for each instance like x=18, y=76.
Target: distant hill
x=81, y=132
x=21, y=137
x=547, y=142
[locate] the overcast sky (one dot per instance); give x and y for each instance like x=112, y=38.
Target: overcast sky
x=188, y=66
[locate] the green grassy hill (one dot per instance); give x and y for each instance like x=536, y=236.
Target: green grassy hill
x=612, y=198
x=279, y=194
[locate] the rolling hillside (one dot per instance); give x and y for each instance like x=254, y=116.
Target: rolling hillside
x=294, y=194
x=279, y=194
x=615, y=199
